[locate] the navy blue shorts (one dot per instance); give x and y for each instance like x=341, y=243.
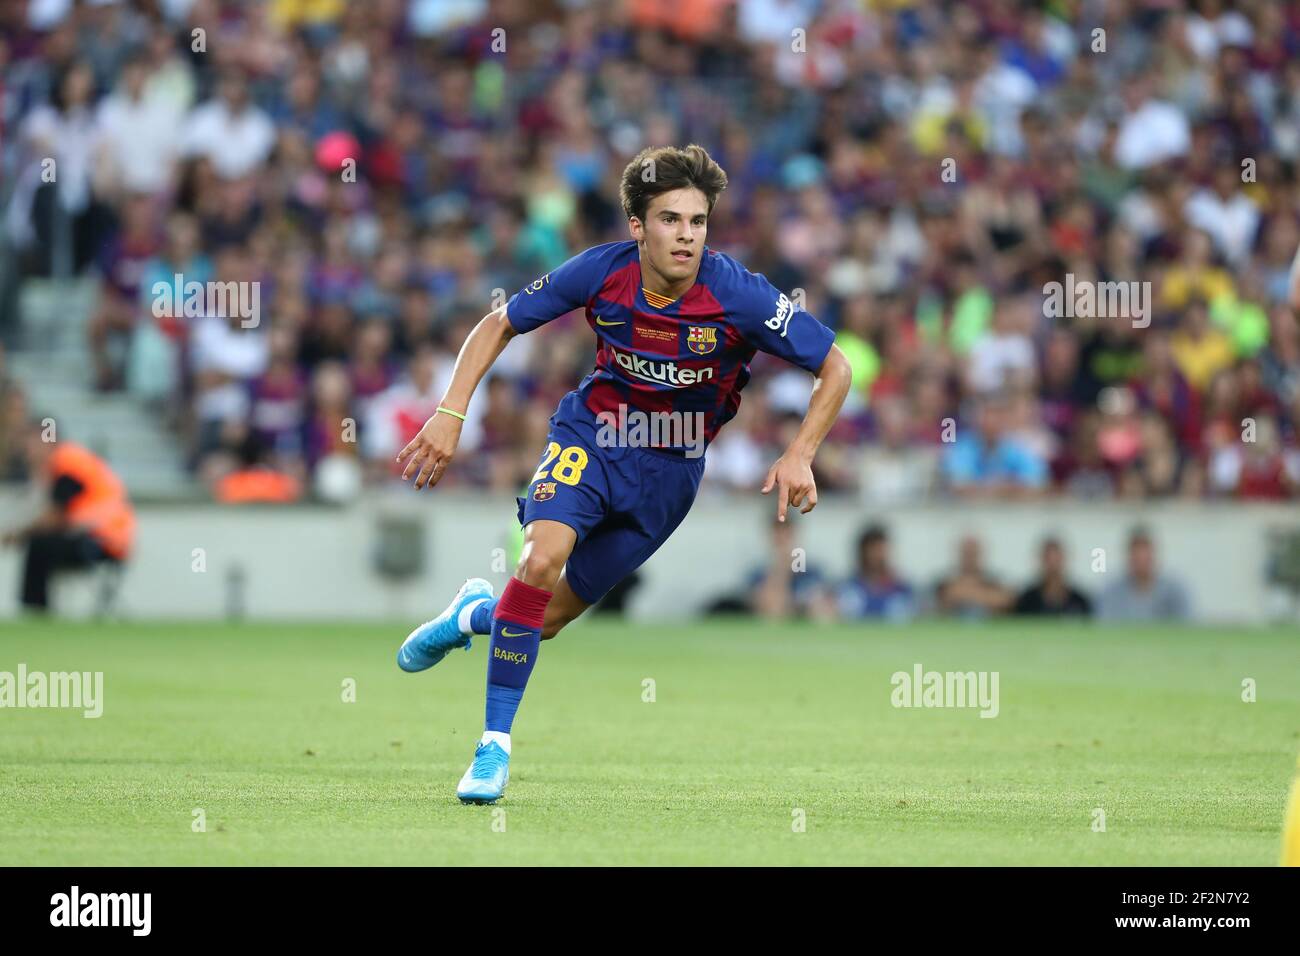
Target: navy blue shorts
x=622, y=502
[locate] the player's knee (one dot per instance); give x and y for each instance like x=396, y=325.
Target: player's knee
x=540, y=567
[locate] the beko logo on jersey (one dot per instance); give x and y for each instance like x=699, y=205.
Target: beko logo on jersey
x=661, y=373
x=784, y=313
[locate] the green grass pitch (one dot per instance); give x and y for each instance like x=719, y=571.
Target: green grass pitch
x=749, y=724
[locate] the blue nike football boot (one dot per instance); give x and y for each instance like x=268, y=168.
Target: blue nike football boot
x=430, y=642
x=485, y=780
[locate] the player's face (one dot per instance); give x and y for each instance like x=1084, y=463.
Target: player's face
x=672, y=235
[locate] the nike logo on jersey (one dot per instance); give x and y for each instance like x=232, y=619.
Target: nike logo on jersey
x=600, y=321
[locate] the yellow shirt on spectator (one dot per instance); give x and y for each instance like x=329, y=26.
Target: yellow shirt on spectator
x=1181, y=284
x=1201, y=359
x=291, y=13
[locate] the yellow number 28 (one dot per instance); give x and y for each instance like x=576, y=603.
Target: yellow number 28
x=568, y=468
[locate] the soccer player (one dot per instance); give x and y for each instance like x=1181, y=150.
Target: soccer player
x=677, y=325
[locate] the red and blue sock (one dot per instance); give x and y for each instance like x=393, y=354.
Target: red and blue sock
x=516, y=638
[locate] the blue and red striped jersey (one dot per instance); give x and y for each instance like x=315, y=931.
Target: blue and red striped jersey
x=686, y=355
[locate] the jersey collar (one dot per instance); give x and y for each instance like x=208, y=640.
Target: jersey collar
x=661, y=302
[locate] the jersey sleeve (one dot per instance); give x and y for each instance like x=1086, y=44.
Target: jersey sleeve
x=560, y=291
x=771, y=323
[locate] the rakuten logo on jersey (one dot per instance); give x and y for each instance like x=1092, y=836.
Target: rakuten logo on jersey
x=661, y=373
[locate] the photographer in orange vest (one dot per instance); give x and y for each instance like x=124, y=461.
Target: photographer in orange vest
x=87, y=520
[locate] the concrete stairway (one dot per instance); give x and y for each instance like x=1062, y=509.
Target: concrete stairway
x=53, y=364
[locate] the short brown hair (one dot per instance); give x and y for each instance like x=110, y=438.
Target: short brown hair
x=670, y=168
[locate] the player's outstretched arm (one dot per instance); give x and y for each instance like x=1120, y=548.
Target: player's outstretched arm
x=792, y=473
x=429, y=453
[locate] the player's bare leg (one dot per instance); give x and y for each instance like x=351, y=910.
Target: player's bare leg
x=470, y=612
x=518, y=622
x=547, y=546
x=564, y=609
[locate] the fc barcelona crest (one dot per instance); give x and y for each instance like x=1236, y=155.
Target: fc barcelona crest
x=702, y=339
x=544, y=491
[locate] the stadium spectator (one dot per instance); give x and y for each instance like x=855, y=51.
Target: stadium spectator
x=88, y=519
x=1153, y=130
x=786, y=585
x=371, y=169
x=1257, y=468
x=161, y=326
x=227, y=358
x=60, y=141
x=13, y=427
x=1143, y=594
x=1052, y=594
x=397, y=413
x=895, y=471
x=971, y=591
x=1003, y=358
x=988, y=461
x=137, y=124
x=121, y=263
x=1200, y=350
x=253, y=480
x=230, y=131
x=875, y=590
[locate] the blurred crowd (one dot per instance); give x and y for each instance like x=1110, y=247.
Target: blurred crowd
x=916, y=174
x=788, y=585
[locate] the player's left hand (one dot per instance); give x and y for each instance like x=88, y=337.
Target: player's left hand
x=793, y=479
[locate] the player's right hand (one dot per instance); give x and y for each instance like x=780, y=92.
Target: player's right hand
x=431, y=450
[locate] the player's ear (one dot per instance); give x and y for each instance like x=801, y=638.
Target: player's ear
x=635, y=227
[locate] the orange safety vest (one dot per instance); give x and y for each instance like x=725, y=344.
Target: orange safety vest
x=257, y=484
x=101, y=507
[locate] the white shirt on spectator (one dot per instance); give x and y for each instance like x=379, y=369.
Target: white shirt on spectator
x=70, y=139
x=895, y=476
x=237, y=352
x=1205, y=37
x=235, y=145
x=1231, y=223
x=736, y=460
x=789, y=391
x=141, y=138
x=995, y=357
x=1001, y=95
x=402, y=406
x=1154, y=132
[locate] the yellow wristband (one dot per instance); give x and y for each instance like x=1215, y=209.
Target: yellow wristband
x=448, y=411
